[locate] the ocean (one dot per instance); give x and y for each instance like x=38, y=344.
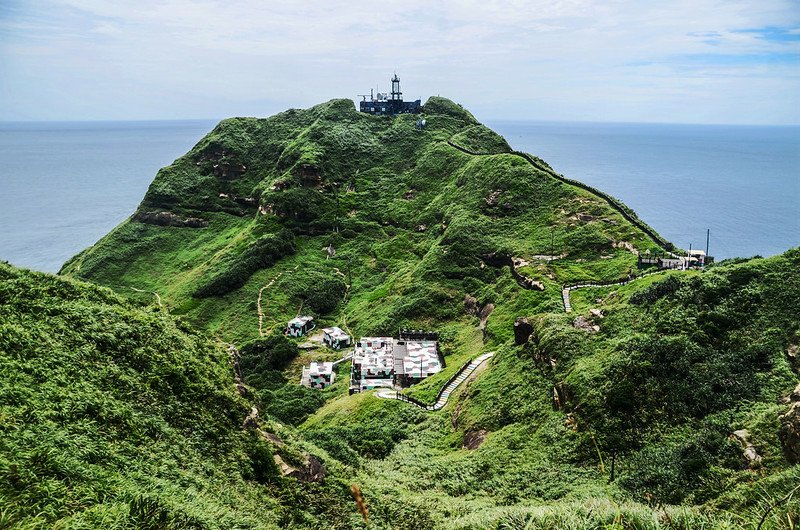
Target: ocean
x=65, y=185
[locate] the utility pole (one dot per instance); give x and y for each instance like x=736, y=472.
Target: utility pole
x=708, y=237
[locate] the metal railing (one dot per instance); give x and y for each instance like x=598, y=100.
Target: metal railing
x=409, y=399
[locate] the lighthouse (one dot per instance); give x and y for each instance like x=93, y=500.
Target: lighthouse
x=389, y=104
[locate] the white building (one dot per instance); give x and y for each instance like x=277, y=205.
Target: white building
x=373, y=364
x=386, y=362
x=418, y=359
x=299, y=326
x=335, y=338
x=318, y=375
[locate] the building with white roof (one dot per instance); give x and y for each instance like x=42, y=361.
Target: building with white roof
x=418, y=359
x=386, y=362
x=318, y=375
x=299, y=326
x=335, y=338
x=373, y=364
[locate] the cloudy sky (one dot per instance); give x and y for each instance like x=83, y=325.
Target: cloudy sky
x=691, y=61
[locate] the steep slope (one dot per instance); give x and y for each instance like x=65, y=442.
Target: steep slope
x=374, y=223
x=115, y=415
x=415, y=222
x=641, y=424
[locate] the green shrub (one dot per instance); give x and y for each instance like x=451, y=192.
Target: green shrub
x=261, y=360
x=263, y=253
x=290, y=403
x=321, y=296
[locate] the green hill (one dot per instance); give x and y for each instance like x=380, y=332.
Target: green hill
x=411, y=219
x=629, y=412
x=116, y=415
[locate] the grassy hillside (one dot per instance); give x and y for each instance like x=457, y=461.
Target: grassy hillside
x=642, y=435
x=373, y=223
x=116, y=415
x=411, y=219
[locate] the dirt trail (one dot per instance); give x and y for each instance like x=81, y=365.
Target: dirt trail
x=261, y=332
x=158, y=298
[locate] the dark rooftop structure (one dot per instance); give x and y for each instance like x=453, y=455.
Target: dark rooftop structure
x=389, y=104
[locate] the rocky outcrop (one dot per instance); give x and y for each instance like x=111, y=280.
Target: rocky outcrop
x=311, y=470
x=793, y=356
x=561, y=395
x=748, y=449
x=224, y=164
x=310, y=175
x=473, y=439
x=251, y=420
x=585, y=324
x=244, y=201
x=789, y=432
x=500, y=260
x=169, y=219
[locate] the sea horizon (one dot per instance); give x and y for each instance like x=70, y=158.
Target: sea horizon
x=740, y=181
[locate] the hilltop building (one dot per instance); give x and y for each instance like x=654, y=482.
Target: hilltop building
x=388, y=362
x=693, y=259
x=389, y=104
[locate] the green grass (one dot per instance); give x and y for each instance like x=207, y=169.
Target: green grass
x=680, y=361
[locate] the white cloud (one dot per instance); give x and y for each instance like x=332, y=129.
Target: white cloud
x=550, y=59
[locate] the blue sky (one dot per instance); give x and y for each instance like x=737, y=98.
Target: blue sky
x=698, y=61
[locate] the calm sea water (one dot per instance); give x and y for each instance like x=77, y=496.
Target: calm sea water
x=65, y=185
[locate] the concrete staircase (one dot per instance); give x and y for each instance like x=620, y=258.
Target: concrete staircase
x=446, y=391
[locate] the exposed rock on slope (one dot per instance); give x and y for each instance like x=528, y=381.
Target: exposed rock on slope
x=790, y=428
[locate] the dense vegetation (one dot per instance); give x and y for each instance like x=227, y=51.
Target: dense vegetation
x=115, y=415
x=372, y=224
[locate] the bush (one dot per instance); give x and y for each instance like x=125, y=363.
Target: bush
x=323, y=297
x=291, y=403
x=655, y=292
x=670, y=471
x=347, y=443
x=263, y=253
x=261, y=361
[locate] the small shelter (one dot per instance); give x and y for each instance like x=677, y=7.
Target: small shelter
x=299, y=326
x=318, y=375
x=335, y=338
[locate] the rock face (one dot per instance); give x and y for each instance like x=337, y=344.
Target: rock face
x=169, y=219
x=312, y=469
x=789, y=432
x=522, y=330
x=585, y=324
x=473, y=439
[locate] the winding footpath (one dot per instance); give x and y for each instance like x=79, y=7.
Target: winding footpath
x=261, y=332
x=627, y=214
x=158, y=298
x=566, y=290
x=446, y=391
